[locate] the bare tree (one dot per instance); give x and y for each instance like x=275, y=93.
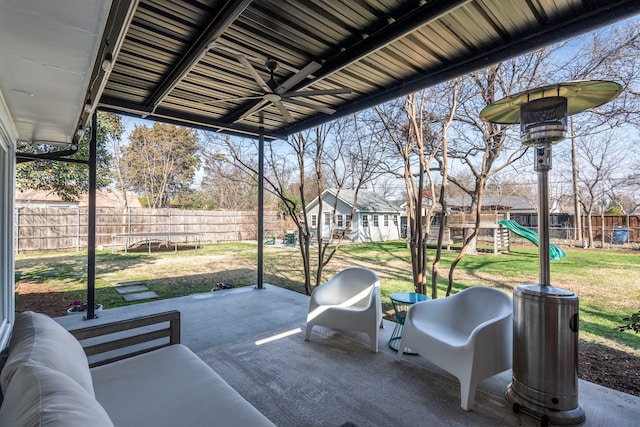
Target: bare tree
x=284, y=177
x=352, y=157
x=486, y=148
x=224, y=181
x=298, y=167
x=599, y=161
x=408, y=123
x=116, y=167
x=444, y=171
x=609, y=54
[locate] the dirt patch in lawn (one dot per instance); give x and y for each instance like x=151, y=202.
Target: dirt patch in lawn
x=609, y=367
x=598, y=363
x=40, y=298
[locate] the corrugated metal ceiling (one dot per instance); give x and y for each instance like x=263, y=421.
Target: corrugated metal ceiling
x=191, y=62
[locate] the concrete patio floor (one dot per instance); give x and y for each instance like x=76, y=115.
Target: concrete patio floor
x=223, y=326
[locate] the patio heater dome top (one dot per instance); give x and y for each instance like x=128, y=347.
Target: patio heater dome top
x=581, y=95
x=542, y=112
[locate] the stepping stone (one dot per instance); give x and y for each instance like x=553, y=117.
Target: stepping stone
x=130, y=283
x=128, y=289
x=139, y=296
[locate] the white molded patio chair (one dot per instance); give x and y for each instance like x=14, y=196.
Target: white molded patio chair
x=468, y=334
x=348, y=301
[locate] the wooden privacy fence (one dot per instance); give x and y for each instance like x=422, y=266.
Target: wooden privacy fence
x=42, y=229
x=608, y=227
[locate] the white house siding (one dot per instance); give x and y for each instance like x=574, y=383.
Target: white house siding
x=359, y=231
x=327, y=208
x=370, y=232
x=7, y=183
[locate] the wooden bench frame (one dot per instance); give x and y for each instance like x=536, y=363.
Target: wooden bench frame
x=108, y=337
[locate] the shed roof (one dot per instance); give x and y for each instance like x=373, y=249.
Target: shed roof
x=368, y=201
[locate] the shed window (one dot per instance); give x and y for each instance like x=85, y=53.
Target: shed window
x=365, y=220
x=375, y=221
x=314, y=220
x=327, y=218
x=386, y=220
x=340, y=221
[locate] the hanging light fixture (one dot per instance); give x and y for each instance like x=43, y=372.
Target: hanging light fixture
x=107, y=61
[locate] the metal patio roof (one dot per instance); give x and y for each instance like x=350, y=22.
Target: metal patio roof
x=202, y=63
x=192, y=62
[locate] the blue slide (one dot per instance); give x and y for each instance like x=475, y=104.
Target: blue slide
x=555, y=252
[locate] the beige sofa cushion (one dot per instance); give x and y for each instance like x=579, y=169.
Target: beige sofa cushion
x=40, y=396
x=170, y=387
x=39, y=339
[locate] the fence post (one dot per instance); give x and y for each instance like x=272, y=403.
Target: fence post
x=17, y=230
x=78, y=230
x=235, y=227
x=603, y=229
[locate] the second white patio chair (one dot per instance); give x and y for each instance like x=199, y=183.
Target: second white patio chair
x=348, y=301
x=468, y=334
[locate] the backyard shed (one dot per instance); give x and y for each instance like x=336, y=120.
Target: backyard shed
x=374, y=218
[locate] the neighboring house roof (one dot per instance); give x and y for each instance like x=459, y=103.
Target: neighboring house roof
x=28, y=197
x=500, y=202
x=113, y=199
x=511, y=202
x=368, y=201
x=104, y=199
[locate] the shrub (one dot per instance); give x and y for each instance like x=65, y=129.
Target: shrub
x=632, y=323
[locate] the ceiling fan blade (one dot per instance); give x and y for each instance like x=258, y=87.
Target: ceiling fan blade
x=319, y=108
x=285, y=113
x=343, y=91
x=257, y=107
x=265, y=87
x=310, y=68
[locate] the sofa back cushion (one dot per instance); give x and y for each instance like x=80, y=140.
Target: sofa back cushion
x=40, y=396
x=39, y=339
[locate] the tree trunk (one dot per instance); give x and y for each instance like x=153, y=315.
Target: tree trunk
x=468, y=240
x=590, y=229
x=577, y=214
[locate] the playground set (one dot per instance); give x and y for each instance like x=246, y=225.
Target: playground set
x=497, y=225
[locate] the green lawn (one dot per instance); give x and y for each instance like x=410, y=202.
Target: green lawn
x=605, y=281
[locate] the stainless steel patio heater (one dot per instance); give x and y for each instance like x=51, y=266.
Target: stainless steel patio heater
x=545, y=318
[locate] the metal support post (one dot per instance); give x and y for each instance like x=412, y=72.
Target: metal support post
x=91, y=239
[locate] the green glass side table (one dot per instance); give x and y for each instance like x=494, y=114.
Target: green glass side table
x=401, y=302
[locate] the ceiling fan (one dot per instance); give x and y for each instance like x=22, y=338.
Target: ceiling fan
x=277, y=94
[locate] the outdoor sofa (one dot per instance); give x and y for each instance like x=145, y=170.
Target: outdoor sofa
x=126, y=373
